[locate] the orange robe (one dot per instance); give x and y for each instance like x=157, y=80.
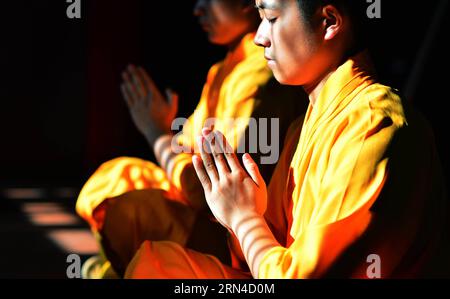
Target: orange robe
x=363, y=180
x=128, y=200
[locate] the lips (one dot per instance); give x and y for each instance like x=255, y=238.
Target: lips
x=268, y=57
x=270, y=62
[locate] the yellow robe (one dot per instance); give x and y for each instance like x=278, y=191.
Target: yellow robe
x=128, y=200
x=363, y=180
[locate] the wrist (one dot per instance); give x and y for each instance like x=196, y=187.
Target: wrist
x=153, y=134
x=244, y=219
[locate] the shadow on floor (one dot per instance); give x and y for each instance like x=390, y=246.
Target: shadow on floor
x=38, y=230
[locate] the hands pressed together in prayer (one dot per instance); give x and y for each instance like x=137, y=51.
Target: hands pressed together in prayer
x=236, y=195
x=152, y=113
x=232, y=193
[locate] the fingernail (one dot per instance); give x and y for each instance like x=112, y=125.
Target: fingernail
x=206, y=131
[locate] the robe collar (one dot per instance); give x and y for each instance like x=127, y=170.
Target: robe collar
x=244, y=49
x=356, y=73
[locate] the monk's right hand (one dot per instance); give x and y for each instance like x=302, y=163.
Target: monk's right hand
x=152, y=113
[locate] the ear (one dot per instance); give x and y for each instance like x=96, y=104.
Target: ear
x=332, y=22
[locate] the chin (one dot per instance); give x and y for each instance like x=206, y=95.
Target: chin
x=287, y=80
x=217, y=42
x=214, y=39
x=282, y=79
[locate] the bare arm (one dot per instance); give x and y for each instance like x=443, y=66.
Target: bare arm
x=237, y=197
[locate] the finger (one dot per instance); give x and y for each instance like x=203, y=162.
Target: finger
x=208, y=126
x=228, y=151
x=138, y=81
x=201, y=173
x=151, y=86
x=207, y=131
x=252, y=169
x=172, y=97
x=208, y=162
x=129, y=86
x=218, y=155
x=125, y=95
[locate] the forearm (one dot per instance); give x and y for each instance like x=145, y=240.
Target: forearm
x=162, y=148
x=153, y=134
x=180, y=171
x=255, y=239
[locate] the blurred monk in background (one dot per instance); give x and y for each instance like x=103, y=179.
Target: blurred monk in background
x=129, y=200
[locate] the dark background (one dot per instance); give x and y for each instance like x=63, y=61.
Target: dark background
x=62, y=114
x=62, y=111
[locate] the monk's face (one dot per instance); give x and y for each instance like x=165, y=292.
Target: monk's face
x=292, y=47
x=225, y=21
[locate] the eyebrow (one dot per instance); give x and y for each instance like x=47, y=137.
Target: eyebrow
x=264, y=5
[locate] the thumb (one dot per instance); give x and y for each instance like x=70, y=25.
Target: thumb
x=172, y=98
x=252, y=169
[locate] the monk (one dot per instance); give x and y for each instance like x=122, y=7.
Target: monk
x=357, y=192
x=129, y=200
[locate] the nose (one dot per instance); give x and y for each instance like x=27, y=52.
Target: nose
x=262, y=37
x=199, y=8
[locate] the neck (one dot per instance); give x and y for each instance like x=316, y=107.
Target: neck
x=253, y=27
x=313, y=90
x=232, y=46
x=236, y=50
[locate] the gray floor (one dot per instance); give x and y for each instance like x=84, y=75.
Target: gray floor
x=38, y=230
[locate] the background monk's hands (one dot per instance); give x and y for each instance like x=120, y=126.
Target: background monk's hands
x=232, y=192
x=152, y=113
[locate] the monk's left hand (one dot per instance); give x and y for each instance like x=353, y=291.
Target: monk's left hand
x=232, y=192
